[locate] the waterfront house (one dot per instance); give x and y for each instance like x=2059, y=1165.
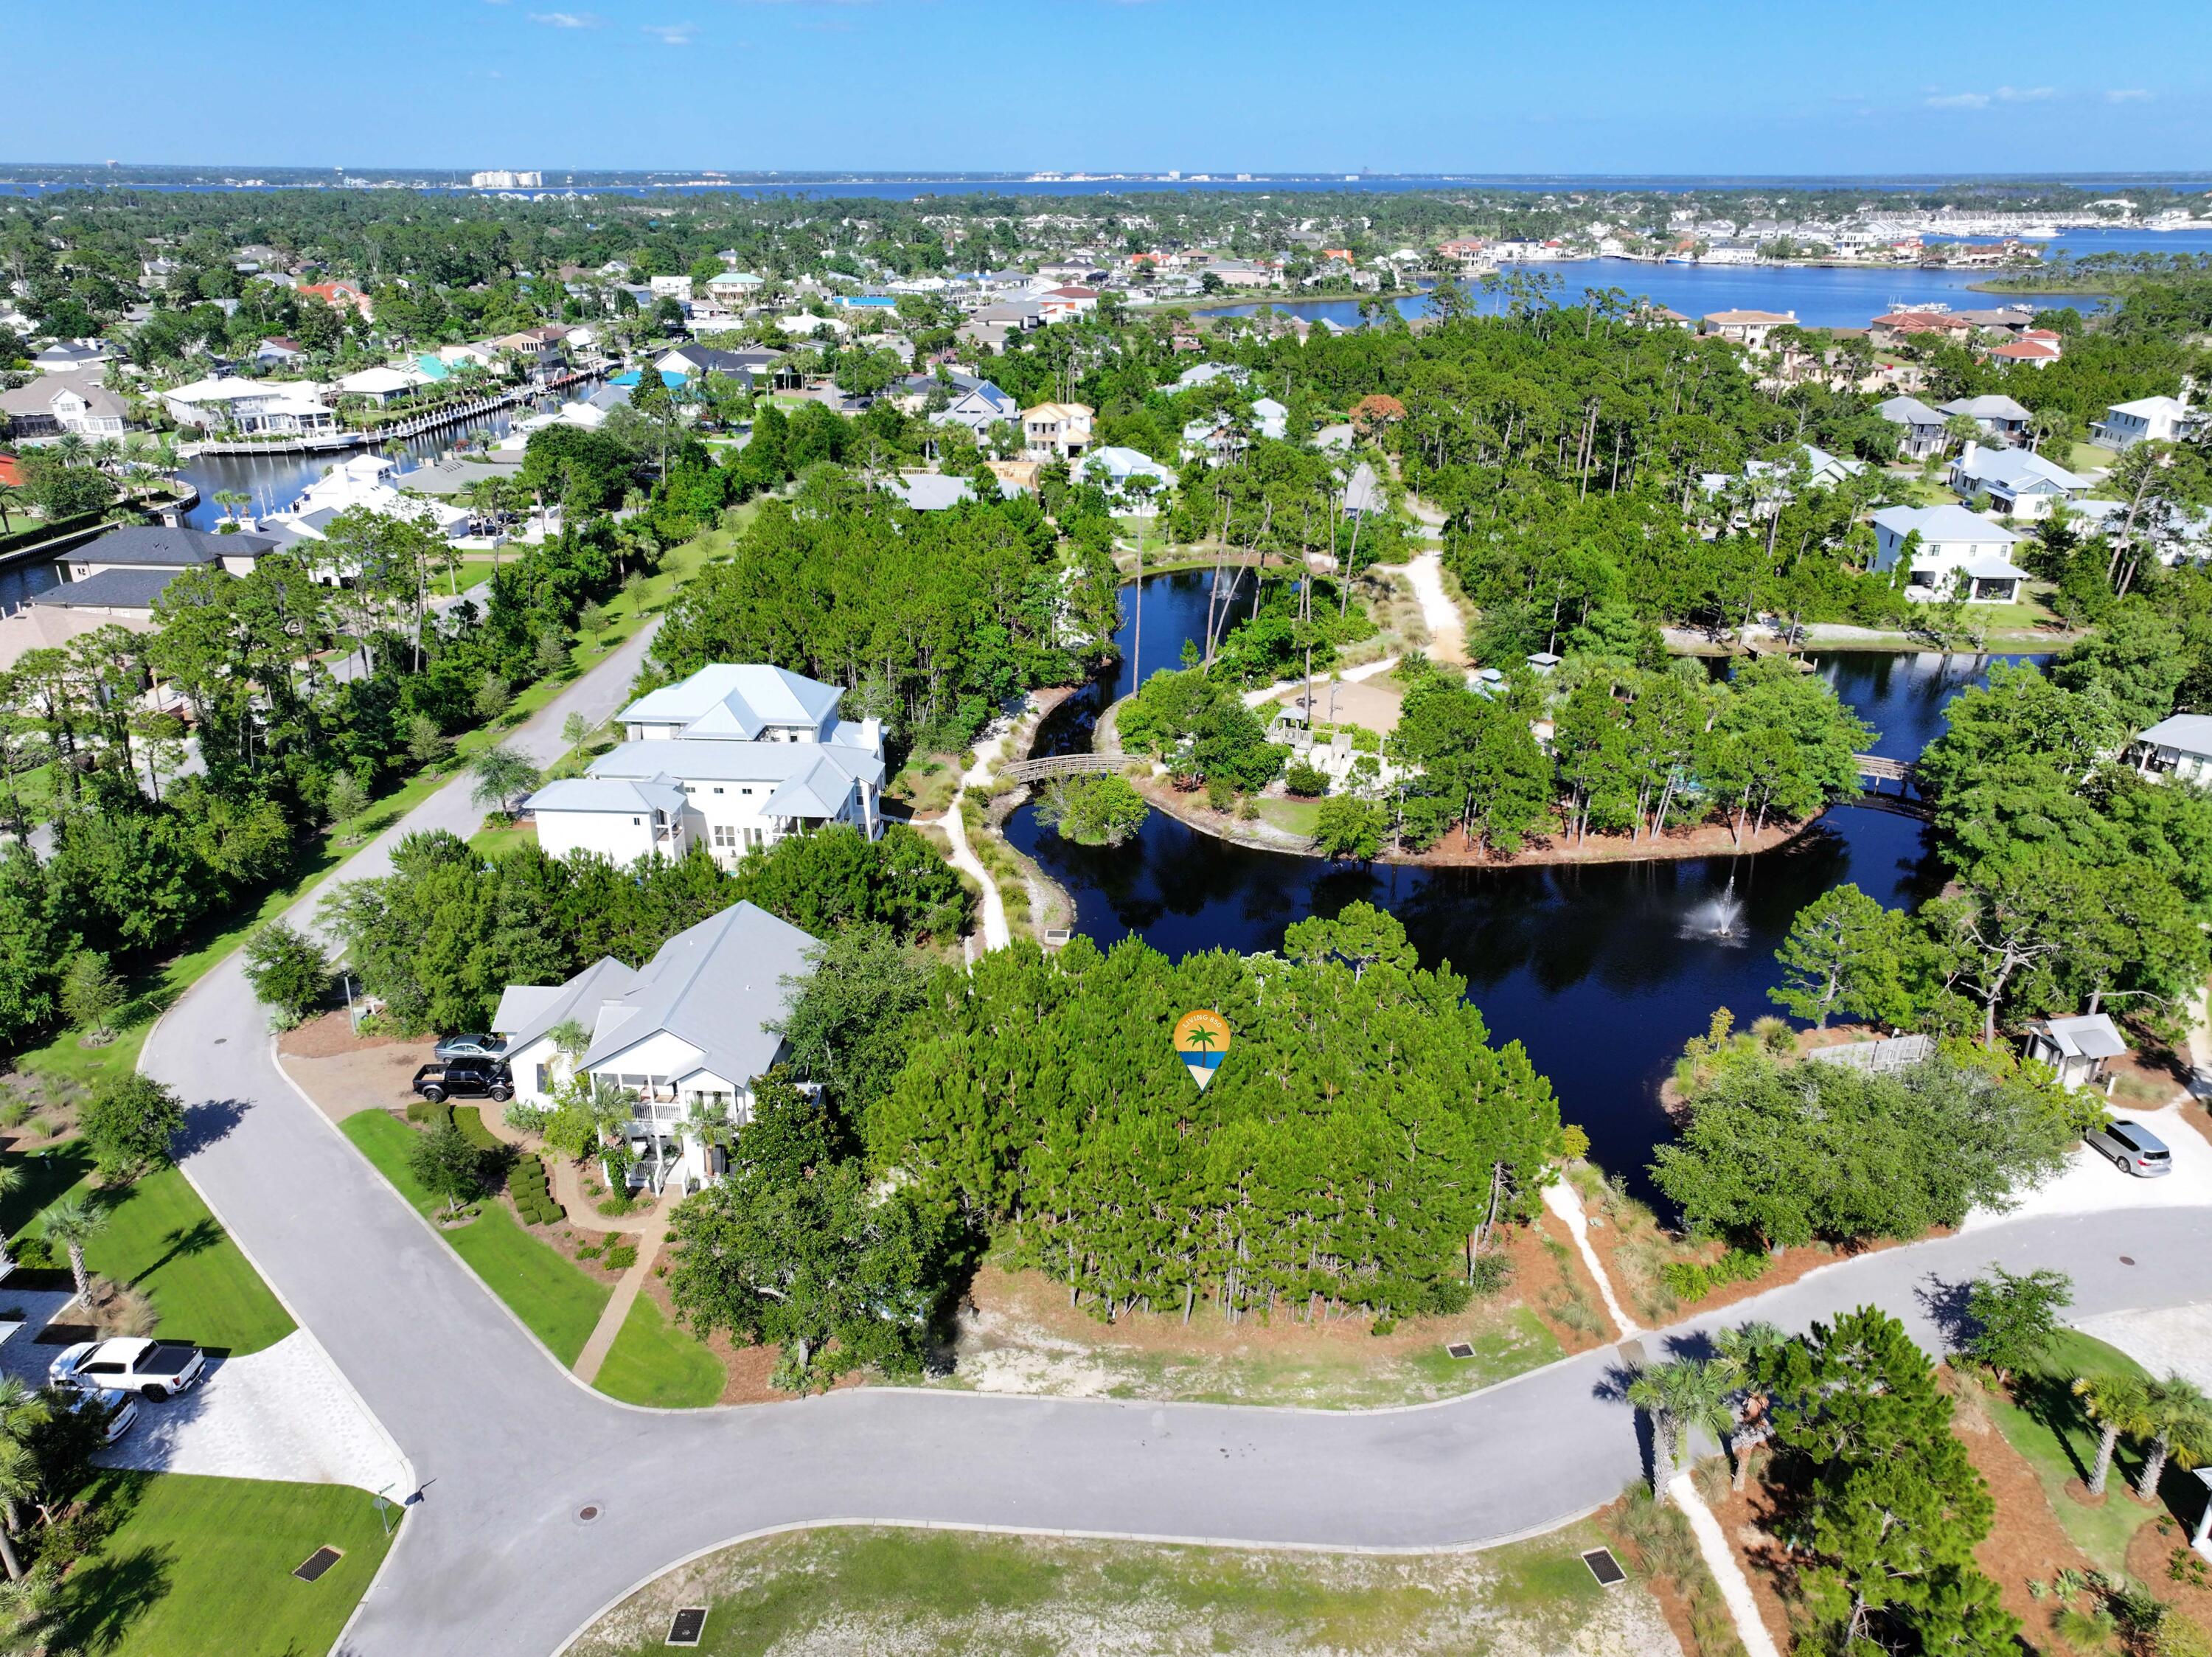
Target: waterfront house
x=163, y=547
x=1921, y=428
x=683, y=1037
x=280, y=407
x=1997, y=415
x=1748, y=328
x=2019, y=485
x=2178, y=746
x=1241, y=273
x=2080, y=1049
x=2146, y=419
x=54, y=404
x=1948, y=549
x=733, y=758
x=383, y=386
x=1056, y=431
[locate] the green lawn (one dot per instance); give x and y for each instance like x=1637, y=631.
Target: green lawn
x=2086, y=458
x=654, y=1362
x=492, y=842
x=2048, y=1427
x=202, y=1568
x=556, y=1298
x=161, y=1240
x=963, y=1594
x=1300, y=817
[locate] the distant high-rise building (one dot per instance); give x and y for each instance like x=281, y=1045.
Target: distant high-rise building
x=500, y=178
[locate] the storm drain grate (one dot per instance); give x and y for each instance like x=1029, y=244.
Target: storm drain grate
x=316, y=1564
x=1604, y=1567
x=1459, y=1349
x=687, y=1625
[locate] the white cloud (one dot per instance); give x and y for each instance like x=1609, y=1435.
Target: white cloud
x=565, y=19
x=2033, y=94
x=671, y=34
x=1959, y=101
x=2130, y=94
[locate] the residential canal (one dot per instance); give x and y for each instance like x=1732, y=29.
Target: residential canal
x=1596, y=969
x=274, y=480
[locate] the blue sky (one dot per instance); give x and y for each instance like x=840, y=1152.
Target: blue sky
x=1757, y=87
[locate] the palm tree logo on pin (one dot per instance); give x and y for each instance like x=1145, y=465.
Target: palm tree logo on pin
x=1202, y=1036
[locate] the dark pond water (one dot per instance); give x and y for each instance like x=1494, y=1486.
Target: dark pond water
x=1601, y=971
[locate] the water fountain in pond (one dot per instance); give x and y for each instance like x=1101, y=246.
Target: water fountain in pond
x=1721, y=917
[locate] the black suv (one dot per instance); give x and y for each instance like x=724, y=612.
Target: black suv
x=464, y=1078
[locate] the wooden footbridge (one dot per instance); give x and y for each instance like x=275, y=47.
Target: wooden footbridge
x=1063, y=765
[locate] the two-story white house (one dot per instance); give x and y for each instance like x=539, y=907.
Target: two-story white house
x=2146, y=419
x=1998, y=416
x=683, y=1036
x=1956, y=550
x=2019, y=484
x=733, y=760
x=57, y=403
x=1056, y=431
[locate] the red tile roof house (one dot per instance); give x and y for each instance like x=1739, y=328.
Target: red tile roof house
x=343, y=296
x=1900, y=326
x=2036, y=353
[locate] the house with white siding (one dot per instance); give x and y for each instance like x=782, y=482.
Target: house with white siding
x=681, y=1038
x=1946, y=549
x=2146, y=420
x=733, y=760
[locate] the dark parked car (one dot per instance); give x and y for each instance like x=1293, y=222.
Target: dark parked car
x=453, y=1047
x=2133, y=1147
x=464, y=1078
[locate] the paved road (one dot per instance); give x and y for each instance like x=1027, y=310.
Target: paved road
x=508, y=1448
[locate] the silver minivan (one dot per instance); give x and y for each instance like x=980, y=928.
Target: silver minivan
x=2133, y=1147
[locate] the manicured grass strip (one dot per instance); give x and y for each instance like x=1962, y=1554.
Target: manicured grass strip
x=202, y=1568
x=2049, y=1429
x=554, y=1296
x=653, y=1362
x=161, y=1239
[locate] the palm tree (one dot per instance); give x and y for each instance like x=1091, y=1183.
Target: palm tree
x=230, y=500
x=2178, y=1417
x=20, y=1410
x=1739, y=1352
x=2116, y=1402
x=11, y=495
x=1680, y=1397
x=73, y=1222
x=502, y=773
x=18, y=1482
x=12, y=1181
x=70, y=448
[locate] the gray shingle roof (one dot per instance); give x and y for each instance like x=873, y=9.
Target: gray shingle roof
x=716, y=987
x=111, y=589
x=159, y=545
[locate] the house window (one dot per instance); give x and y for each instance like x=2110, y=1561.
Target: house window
x=718, y=790
x=544, y=1078
x=745, y=791
x=726, y=838
x=753, y=838
x=636, y=822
